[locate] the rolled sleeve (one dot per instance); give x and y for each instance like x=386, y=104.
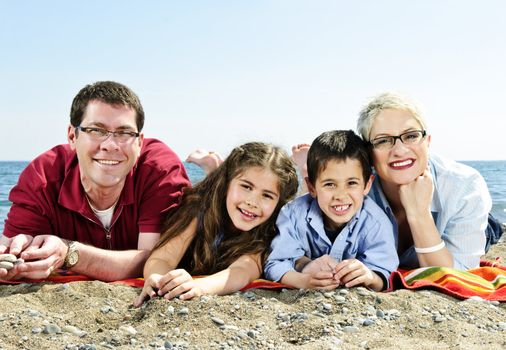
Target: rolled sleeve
x=379, y=248
x=464, y=231
x=286, y=247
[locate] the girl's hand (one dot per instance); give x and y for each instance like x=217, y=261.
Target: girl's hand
x=179, y=283
x=149, y=290
x=416, y=196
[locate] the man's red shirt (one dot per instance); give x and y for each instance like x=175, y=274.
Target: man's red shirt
x=49, y=198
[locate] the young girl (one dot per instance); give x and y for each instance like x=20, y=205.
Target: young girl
x=223, y=226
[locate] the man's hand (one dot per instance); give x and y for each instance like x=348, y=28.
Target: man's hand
x=44, y=254
x=14, y=246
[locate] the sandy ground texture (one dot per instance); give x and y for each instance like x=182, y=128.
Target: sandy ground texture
x=97, y=315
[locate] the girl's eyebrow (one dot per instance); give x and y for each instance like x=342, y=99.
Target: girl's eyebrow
x=253, y=185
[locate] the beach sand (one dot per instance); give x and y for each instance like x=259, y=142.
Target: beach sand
x=97, y=315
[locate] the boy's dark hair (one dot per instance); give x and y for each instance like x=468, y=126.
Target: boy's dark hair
x=108, y=92
x=337, y=145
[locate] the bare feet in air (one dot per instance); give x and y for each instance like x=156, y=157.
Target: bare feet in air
x=299, y=156
x=208, y=161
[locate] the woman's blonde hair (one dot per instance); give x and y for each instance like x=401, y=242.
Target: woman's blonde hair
x=207, y=202
x=386, y=100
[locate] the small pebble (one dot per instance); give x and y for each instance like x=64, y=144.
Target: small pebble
x=183, y=311
x=218, y=321
x=128, y=329
x=106, y=309
x=339, y=299
x=350, y=329
x=438, y=318
x=6, y=265
x=33, y=313
x=367, y=322
x=73, y=330
x=36, y=330
x=362, y=291
x=475, y=298
x=51, y=329
x=8, y=257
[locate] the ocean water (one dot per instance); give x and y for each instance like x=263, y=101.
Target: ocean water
x=494, y=173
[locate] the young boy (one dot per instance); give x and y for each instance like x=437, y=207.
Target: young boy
x=333, y=236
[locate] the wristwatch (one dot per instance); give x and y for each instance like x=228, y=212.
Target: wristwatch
x=72, y=256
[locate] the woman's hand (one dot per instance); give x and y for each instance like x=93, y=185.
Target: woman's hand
x=416, y=196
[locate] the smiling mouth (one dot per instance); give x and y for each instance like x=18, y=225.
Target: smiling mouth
x=248, y=214
x=341, y=209
x=107, y=162
x=403, y=164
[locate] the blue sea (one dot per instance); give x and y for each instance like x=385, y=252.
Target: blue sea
x=494, y=173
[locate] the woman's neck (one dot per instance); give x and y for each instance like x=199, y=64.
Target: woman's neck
x=393, y=196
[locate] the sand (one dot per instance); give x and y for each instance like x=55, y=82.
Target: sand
x=97, y=315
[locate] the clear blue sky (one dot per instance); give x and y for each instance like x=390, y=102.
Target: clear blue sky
x=214, y=74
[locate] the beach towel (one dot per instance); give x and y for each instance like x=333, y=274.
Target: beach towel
x=487, y=281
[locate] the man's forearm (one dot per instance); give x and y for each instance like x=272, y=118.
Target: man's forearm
x=110, y=265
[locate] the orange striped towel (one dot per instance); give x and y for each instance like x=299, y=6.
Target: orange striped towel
x=487, y=281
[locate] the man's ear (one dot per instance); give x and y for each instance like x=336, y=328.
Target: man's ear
x=368, y=185
x=141, y=140
x=71, y=136
x=310, y=187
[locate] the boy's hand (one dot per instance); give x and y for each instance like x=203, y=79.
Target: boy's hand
x=321, y=280
x=323, y=263
x=352, y=273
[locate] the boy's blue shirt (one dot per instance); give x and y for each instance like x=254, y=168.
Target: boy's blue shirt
x=367, y=237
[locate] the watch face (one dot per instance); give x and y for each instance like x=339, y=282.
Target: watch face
x=72, y=258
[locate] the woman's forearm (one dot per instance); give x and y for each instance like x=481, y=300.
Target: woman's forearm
x=425, y=235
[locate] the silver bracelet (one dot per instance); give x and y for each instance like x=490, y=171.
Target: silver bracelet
x=432, y=249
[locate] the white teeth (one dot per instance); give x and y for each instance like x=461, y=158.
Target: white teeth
x=406, y=162
x=247, y=213
x=108, y=162
x=341, y=207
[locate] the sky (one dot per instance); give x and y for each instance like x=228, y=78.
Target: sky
x=215, y=74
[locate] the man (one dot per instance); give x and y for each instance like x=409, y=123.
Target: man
x=96, y=205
